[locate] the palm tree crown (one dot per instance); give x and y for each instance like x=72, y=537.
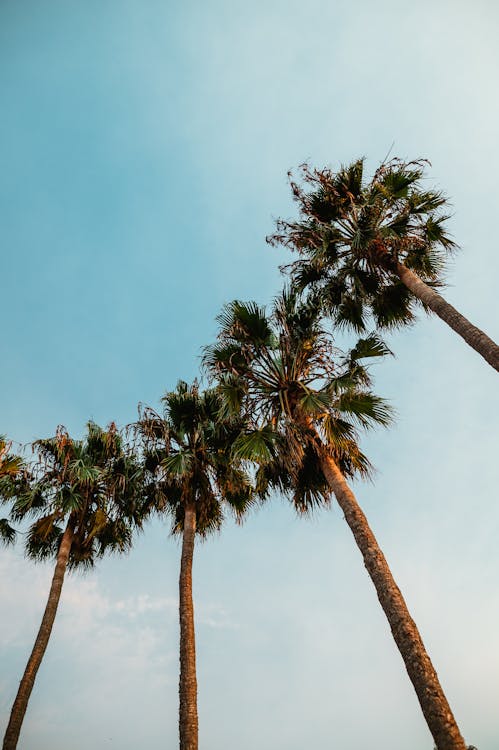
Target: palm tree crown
x=91, y=484
x=187, y=459
x=351, y=234
x=307, y=402
x=375, y=249
x=282, y=367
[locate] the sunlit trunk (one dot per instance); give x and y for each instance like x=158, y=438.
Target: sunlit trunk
x=473, y=336
x=436, y=709
x=26, y=686
x=188, y=715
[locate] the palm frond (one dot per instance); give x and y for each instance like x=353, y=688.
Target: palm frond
x=7, y=532
x=315, y=402
x=43, y=538
x=310, y=488
x=178, y=464
x=365, y=408
x=391, y=306
x=369, y=347
x=232, y=391
x=245, y=321
x=95, y=484
x=255, y=445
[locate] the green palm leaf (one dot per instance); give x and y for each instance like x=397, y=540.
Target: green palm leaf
x=256, y=445
x=366, y=408
x=178, y=464
x=368, y=347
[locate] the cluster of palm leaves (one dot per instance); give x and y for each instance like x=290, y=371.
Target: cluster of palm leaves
x=374, y=250
x=10, y=468
x=283, y=413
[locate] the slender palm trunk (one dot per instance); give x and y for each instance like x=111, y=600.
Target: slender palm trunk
x=473, y=336
x=188, y=715
x=422, y=674
x=26, y=685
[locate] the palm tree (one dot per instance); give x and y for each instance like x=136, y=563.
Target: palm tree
x=10, y=468
x=375, y=249
x=192, y=477
x=83, y=497
x=307, y=401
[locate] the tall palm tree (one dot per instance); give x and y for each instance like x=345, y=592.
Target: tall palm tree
x=192, y=477
x=10, y=468
x=375, y=248
x=307, y=402
x=83, y=495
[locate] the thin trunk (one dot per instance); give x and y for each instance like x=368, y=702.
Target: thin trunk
x=473, y=336
x=188, y=715
x=26, y=685
x=436, y=710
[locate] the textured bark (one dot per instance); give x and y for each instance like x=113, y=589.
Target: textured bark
x=188, y=715
x=436, y=709
x=473, y=336
x=26, y=685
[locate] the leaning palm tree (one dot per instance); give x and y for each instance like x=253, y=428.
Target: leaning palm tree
x=374, y=249
x=307, y=402
x=11, y=467
x=83, y=496
x=192, y=477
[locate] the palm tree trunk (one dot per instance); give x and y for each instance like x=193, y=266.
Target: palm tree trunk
x=422, y=674
x=26, y=685
x=473, y=336
x=188, y=715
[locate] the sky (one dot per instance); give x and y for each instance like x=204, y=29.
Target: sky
x=144, y=148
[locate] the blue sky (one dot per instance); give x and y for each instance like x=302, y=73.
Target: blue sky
x=144, y=149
